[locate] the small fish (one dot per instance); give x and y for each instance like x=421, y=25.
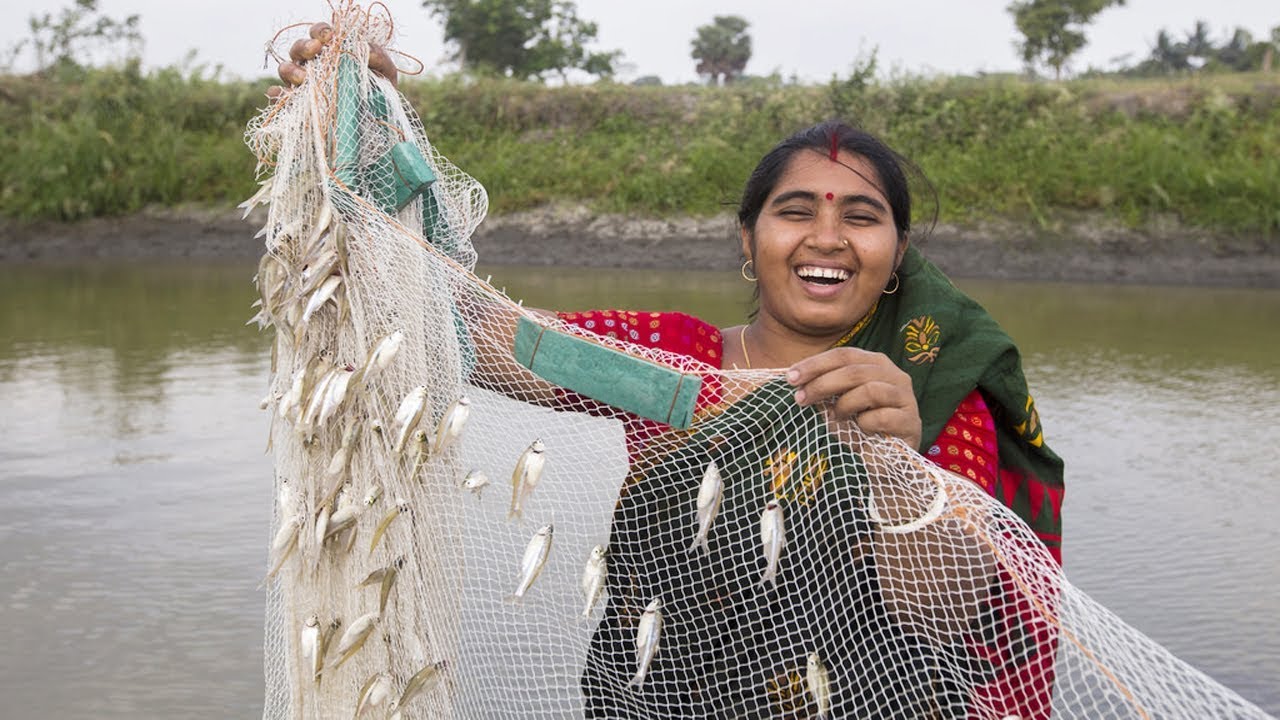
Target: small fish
x=451, y=425
x=342, y=458
x=395, y=512
x=526, y=476
x=418, y=684
x=263, y=195
x=593, y=577
x=535, y=556
x=342, y=520
x=293, y=398
x=321, y=529
x=773, y=535
x=709, y=495
x=326, y=638
x=375, y=576
x=408, y=415
x=321, y=227
x=647, y=636
x=316, y=270
x=283, y=545
x=388, y=582
x=376, y=427
x=476, y=482
x=371, y=498
x=375, y=691
x=310, y=644
x=421, y=454
x=355, y=636
x=334, y=395
x=307, y=421
x=381, y=356
x=322, y=295
x=819, y=683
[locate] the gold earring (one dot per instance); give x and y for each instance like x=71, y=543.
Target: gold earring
x=745, y=276
x=896, y=284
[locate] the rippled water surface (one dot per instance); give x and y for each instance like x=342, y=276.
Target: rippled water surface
x=135, y=497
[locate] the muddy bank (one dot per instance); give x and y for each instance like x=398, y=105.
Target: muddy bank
x=1086, y=249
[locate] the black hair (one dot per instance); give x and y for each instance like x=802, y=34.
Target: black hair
x=823, y=138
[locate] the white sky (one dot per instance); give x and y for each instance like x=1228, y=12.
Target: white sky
x=810, y=38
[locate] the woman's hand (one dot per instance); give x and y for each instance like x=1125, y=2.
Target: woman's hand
x=865, y=386
x=294, y=72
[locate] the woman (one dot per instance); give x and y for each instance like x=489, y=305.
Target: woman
x=875, y=333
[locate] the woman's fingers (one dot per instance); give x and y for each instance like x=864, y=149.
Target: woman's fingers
x=865, y=386
x=319, y=35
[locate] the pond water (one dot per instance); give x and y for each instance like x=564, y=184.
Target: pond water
x=135, y=496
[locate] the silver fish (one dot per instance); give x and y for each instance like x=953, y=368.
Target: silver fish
x=353, y=639
x=421, y=453
x=326, y=639
x=526, y=476
x=343, y=519
x=334, y=395
x=375, y=691
x=283, y=545
x=322, y=295
x=321, y=529
x=321, y=227
x=648, y=634
x=535, y=556
x=593, y=577
x=342, y=458
x=310, y=644
x=400, y=508
x=381, y=356
x=450, y=426
x=262, y=195
x=418, y=684
x=408, y=415
x=819, y=683
x=375, y=576
x=773, y=535
x=372, y=497
x=316, y=271
x=476, y=482
x=307, y=421
x=709, y=495
x=293, y=398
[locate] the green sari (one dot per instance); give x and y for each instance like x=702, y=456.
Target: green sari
x=950, y=346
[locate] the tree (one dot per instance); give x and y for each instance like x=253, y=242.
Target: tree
x=69, y=39
x=521, y=38
x=722, y=48
x=1053, y=30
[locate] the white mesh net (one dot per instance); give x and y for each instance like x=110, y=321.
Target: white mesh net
x=764, y=561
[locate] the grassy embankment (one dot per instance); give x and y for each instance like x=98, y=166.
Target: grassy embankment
x=1204, y=152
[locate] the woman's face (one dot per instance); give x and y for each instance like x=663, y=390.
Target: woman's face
x=824, y=245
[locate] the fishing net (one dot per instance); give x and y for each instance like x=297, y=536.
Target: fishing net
x=619, y=532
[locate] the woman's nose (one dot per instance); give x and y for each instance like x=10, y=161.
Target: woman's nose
x=828, y=234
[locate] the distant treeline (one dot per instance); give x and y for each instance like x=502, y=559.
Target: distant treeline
x=1200, y=151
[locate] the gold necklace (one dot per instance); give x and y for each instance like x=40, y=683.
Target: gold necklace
x=742, y=336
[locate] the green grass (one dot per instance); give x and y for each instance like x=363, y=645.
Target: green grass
x=1205, y=151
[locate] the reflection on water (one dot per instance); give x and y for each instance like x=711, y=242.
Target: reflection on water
x=135, y=499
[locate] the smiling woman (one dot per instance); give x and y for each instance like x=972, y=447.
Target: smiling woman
x=868, y=331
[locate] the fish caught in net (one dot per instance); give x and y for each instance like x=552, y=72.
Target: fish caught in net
x=483, y=510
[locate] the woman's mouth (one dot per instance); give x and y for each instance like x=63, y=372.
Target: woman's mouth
x=822, y=275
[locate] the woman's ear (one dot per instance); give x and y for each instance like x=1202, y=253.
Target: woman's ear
x=748, y=252
x=902, y=250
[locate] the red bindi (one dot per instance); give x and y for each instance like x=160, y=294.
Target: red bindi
x=831, y=196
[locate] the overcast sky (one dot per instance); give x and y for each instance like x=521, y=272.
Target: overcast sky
x=808, y=38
